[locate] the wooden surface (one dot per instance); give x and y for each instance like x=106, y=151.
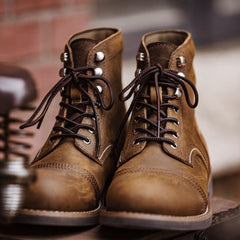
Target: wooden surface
x=224, y=210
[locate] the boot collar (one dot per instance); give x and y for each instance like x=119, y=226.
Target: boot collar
x=182, y=39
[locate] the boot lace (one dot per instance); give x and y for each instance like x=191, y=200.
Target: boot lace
x=156, y=76
x=83, y=77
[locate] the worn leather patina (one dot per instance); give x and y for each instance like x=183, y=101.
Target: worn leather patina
x=76, y=160
x=164, y=167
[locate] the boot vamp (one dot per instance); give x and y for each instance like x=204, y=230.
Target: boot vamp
x=60, y=190
x=68, y=180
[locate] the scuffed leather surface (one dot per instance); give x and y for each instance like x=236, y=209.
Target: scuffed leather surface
x=156, y=178
x=70, y=177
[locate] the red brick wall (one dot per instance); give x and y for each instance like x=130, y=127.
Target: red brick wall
x=33, y=34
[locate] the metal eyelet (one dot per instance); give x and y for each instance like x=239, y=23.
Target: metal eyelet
x=138, y=71
x=91, y=131
x=181, y=74
x=181, y=61
x=64, y=57
x=88, y=141
x=138, y=107
x=99, y=56
x=135, y=132
x=174, y=146
x=176, y=135
x=62, y=72
x=98, y=71
x=176, y=110
x=96, y=107
x=178, y=93
x=140, y=56
x=93, y=118
x=176, y=123
x=136, y=143
x=135, y=120
x=99, y=88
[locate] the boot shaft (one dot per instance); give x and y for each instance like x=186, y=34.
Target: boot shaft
x=100, y=50
x=174, y=52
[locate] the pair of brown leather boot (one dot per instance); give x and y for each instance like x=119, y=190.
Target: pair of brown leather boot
x=158, y=170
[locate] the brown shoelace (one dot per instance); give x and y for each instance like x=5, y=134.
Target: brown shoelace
x=83, y=77
x=156, y=76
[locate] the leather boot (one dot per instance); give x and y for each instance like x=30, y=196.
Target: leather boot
x=76, y=161
x=163, y=171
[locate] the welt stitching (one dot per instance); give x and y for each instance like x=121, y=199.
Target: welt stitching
x=83, y=172
x=158, y=171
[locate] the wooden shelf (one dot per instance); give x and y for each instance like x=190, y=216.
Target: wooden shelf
x=224, y=211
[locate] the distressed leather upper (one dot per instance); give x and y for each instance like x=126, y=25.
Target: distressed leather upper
x=156, y=177
x=70, y=176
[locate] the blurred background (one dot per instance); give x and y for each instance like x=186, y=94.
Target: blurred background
x=33, y=34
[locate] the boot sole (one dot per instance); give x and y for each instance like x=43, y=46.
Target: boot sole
x=154, y=221
x=58, y=218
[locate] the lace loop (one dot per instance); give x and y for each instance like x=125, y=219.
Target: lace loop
x=78, y=76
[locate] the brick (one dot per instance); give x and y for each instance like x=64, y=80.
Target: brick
x=63, y=27
x=82, y=1
x=2, y=8
x=31, y=5
x=45, y=76
x=19, y=41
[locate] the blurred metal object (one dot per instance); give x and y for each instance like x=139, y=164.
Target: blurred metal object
x=14, y=177
x=17, y=89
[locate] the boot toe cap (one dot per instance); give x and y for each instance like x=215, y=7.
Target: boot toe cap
x=60, y=191
x=154, y=193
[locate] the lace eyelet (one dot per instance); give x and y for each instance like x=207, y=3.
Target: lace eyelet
x=99, y=56
x=93, y=118
x=135, y=132
x=138, y=107
x=98, y=71
x=176, y=123
x=88, y=141
x=136, y=143
x=181, y=61
x=178, y=93
x=176, y=135
x=174, y=146
x=181, y=74
x=135, y=120
x=99, y=88
x=176, y=110
x=138, y=71
x=91, y=131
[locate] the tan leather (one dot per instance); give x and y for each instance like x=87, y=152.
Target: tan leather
x=70, y=176
x=155, y=177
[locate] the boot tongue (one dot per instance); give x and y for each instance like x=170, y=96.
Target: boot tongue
x=80, y=50
x=160, y=52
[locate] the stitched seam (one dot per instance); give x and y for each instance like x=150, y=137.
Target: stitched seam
x=158, y=171
x=83, y=172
